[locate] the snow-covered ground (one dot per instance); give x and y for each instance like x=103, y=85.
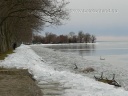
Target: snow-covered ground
x=114, y=64
x=53, y=66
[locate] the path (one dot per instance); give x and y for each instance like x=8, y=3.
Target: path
x=52, y=88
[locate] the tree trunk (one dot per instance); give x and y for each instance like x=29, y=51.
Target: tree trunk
x=3, y=45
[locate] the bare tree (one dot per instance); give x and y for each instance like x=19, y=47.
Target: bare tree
x=93, y=38
x=50, y=37
x=63, y=39
x=18, y=19
x=80, y=36
x=38, y=39
x=87, y=38
x=53, y=38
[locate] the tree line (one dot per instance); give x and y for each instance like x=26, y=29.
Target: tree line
x=20, y=18
x=49, y=37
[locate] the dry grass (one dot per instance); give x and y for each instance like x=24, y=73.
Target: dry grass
x=3, y=55
x=2, y=68
x=14, y=82
x=87, y=70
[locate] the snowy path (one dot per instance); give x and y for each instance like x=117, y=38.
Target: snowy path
x=52, y=73
x=51, y=88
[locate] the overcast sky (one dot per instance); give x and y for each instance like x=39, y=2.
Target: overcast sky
x=108, y=19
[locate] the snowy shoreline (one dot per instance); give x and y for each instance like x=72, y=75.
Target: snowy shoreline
x=57, y=66
x=113, y=64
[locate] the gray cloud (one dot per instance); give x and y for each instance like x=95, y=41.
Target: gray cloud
x=98, y=23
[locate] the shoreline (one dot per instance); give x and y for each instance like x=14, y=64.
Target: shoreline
x=50, y=66
x=62, y=61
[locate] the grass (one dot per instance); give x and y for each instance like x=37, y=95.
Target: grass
x=5, y=54
x=2, y=68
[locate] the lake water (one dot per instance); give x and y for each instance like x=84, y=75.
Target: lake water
x=97, y=49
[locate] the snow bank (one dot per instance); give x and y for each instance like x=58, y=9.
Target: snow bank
x=24, y=57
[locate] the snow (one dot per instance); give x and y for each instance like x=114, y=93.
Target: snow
x=113, y=64
x=49, y=66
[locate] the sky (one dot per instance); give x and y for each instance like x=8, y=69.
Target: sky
x=106, y=19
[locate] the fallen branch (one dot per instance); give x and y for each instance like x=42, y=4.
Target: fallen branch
x=111, y=82
x=75, y=66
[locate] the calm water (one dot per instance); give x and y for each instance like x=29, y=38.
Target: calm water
x=98, y=49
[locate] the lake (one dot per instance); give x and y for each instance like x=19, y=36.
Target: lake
x=96, y=49
x=115, y=55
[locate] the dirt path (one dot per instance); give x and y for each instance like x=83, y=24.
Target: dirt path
x=15, y=82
